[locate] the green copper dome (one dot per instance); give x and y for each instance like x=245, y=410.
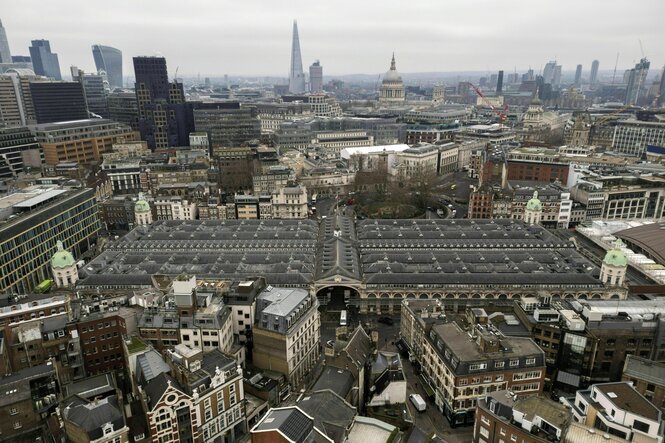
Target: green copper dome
x=62, y=258
x=141, y=205
x=534, y=204
x=615, y=256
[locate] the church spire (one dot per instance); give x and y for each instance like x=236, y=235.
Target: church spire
x=392, y=63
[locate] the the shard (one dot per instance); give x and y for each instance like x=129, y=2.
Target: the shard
x=5, y=55
x=296, y=74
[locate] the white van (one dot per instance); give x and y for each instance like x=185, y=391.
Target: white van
x=418, y=402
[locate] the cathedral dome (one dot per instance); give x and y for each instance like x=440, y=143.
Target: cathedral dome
x=392, y=76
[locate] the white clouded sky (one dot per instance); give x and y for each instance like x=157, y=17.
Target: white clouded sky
x=253, y=37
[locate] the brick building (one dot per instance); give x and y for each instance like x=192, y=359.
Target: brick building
x=502, y=417
x=648, y=378
x=80, y=141
x=537, y=171
x=28, y=395
x=101, y=336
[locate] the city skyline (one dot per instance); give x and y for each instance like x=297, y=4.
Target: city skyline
x=461, y=36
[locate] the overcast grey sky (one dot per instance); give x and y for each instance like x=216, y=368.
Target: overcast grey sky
x=253, y=37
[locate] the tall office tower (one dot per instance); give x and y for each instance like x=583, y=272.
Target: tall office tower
x=96, y=93
x=556, y=78
x=95, y=90
x=296, y=74
x=548, y=72
x=626, y=76
x=660, y=99
x=165, y=119
x=109, y=60
x=316, y=77
x=44, y=62
x=636, y=80
x=578, y=76
x=58, y=101
x=499, y=83
x=5, y=54
x=593, y=78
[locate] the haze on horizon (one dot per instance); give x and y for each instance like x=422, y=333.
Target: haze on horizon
x=253, y=38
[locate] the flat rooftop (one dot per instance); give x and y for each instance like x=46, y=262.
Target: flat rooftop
x=466, y=349
x=30, y=197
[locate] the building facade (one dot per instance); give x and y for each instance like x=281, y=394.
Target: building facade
x=287, y=333
x=58, y=101
x=461, y=370
x=36, y=219
x=81, y=141
x=227, y=126
x=165, y=119
x=633, y=136
x=19, y=151
x=290, y=202
x=617, y=409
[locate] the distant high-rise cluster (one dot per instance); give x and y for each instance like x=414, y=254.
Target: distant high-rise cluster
x=296, y=74
x=109, y=60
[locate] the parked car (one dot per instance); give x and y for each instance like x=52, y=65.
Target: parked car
x=386, y=320
x=418, y=402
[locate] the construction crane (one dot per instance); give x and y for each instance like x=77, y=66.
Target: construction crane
x=612, y=114
x=502, y=115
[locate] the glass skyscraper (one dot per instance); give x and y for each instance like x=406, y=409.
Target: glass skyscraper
x=5, y=55
x=44, y=62
x=109, y=60
x=296, y=74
